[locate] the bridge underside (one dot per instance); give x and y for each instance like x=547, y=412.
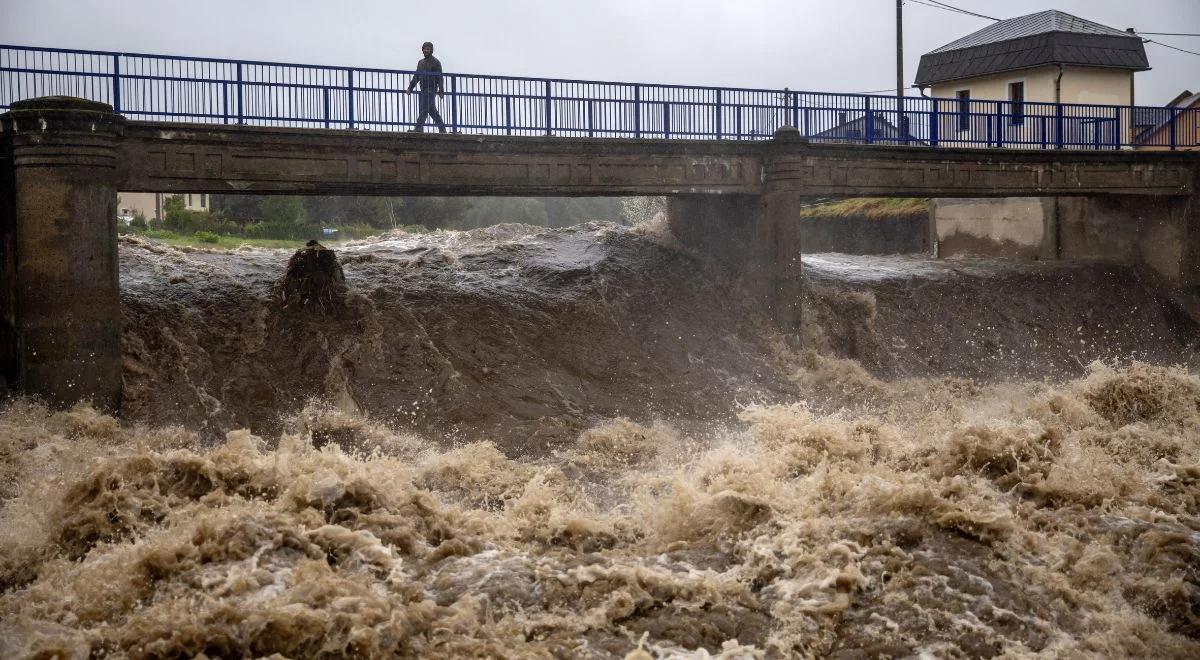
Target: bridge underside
x=62, y=162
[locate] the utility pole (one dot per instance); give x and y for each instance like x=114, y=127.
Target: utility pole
x=902, y=123
x=899, y=54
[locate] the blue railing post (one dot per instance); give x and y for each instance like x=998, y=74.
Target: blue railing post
x=667, y=120
x=934, y=121
x=737, y=122
x=1172, y=131
x=1117, y=132
x=453, y=103
x=1042, y=122
x=637, y=110
x=116, y=89
x=1000, y=124
x=350, y=98
x=508, y=114
x=591, y=113
x=794, y=103
x=1059, y=140
x=869, y=120
x=241, y=115
x=325, y=103
x=225, y=102
x=720, y=113
x=549, y=112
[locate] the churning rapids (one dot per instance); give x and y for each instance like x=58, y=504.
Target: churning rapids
x=588, y=443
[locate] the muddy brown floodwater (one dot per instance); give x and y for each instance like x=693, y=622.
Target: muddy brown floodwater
x=588, y=443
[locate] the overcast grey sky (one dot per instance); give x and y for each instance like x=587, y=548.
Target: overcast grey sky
x=821, y=45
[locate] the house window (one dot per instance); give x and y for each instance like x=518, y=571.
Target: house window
x=189, y=204
x=203, y=201
x=1016, y=100
x=964, y=109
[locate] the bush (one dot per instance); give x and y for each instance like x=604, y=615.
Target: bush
x=281, y=231
x=360, y=230
x=207, y=237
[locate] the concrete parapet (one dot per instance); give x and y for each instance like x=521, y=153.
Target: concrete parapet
x=62, y=312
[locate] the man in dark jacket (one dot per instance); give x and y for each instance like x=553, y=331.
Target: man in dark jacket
x=429, y=76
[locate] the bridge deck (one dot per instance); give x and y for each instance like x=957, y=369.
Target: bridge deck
x=169, y=157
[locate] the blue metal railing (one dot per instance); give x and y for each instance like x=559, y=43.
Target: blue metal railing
x=205, y=90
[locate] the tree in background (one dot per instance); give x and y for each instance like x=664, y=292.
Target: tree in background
x=304, y=216
x=283, y=216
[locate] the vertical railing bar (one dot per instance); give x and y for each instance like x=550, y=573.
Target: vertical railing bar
x=350, y=98
x=869, y=120
x=934, y=121
x=1059, y=138
x=454, y=103
x=637, y=111
x=325, y=100
x=1000, y=123
x=241, y=115
x=1172, y=130
x=549, y=112
x=794, y=102
x=508, y=113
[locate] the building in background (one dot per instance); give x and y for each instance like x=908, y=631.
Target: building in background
x=856, y=130
x=150, y=205
x=1176, y=123
x=1001, y=84
x=1048, y=57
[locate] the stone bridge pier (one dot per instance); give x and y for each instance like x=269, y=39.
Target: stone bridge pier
x=61, y=167
x=63, y=160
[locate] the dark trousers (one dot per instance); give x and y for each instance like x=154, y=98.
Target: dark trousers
x=428, y=109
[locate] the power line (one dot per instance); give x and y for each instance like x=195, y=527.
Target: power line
x=960, y=9
x=945, y=7
x=1182, y=50
x=937, y=4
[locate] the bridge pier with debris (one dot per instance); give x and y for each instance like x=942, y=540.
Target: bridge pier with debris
x=63, y=160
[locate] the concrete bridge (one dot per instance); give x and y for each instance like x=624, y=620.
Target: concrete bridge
x=63, y=160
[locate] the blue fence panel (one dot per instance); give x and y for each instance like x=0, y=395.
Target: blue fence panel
x=222, y=91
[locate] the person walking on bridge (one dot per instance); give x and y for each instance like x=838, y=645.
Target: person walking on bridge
x=429, y=76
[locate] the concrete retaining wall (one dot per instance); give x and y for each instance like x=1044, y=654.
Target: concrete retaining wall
x=856, y=234
x=1160, y=233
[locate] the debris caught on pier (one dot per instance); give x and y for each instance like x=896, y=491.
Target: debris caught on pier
x=313, y=279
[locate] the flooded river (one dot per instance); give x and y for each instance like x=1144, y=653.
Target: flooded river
x=590, y=443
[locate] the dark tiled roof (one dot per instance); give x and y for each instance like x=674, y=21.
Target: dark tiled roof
x=855, y=130
x=1049, y=37
x=1042, y=22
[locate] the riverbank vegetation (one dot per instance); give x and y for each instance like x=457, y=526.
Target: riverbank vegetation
x=288, y=221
